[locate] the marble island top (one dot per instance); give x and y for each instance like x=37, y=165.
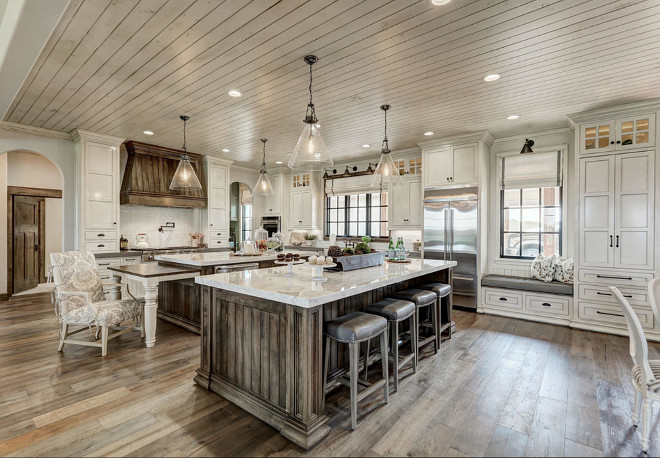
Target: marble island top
x=302, y=291
x=224, y=258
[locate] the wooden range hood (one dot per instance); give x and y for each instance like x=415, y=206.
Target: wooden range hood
x=148, y=174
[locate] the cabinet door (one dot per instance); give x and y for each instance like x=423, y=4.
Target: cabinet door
x=436, y=171
x=415, y=203
x=463, y=165
x=273, y=204
x=296, y=209
x=597, y=137
x=101, y=183
x=397, y=210
x=217, y=176
x=597, y=212
x=633, y=210
x=306, y=208
x=635, y=132
x=218, y=208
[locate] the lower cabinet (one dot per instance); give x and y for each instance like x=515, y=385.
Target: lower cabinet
x=529, y=305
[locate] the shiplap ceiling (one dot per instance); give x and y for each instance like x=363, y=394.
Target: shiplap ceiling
x=120, y=67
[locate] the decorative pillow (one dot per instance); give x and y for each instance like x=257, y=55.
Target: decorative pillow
x=543, y=268
x=564, y=269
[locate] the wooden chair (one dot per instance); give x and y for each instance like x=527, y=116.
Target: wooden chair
x=80, y=301
x=653, y=286
x=645, y=372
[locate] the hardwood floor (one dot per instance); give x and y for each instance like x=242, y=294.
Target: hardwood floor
x=499, y=387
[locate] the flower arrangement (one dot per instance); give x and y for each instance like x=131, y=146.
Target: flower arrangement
x=197, y=238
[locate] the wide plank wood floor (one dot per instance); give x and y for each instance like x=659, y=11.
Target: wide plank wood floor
x=500, y=387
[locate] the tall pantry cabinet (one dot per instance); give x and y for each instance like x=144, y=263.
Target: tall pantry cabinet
x=616, y=166
x=97, y=191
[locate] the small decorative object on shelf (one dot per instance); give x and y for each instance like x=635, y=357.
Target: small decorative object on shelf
x=310, y=239
x=197, y=238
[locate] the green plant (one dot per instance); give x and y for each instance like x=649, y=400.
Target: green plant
x=366, y=239
x=363, y=247
x=309, y=236
x=348, y=251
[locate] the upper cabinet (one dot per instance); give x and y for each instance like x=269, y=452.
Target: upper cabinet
x=218, y=206
x=620, y=134
x=405, y=208
x=454, y=162
x=97, y=191
x=273, y=204
x=304, y=205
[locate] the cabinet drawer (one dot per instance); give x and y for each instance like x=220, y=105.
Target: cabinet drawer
x=547, y=304
x=612, y=315
x=614, y=278
x=218, y=233
x=603, y=294
x=104, y=263
x=218, y=243
x=100, y=235
x=127, y=261
x=101, y=245
x=503, y=298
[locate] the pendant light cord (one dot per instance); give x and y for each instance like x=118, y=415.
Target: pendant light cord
x=385, y=148
x=310, y=113
x=310, y=85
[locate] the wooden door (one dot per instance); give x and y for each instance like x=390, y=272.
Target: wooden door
x=28, y=242
x=463, y=168
x=633, y=210
x=597, y=211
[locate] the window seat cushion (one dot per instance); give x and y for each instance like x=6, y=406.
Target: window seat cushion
x=527, y=284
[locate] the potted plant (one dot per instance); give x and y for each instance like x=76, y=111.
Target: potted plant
x=310, y=239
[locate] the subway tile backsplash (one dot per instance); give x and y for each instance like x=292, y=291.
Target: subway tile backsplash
x=136, y=219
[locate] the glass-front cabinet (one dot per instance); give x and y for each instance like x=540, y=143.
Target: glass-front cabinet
x=616, y=135
x=409, y=166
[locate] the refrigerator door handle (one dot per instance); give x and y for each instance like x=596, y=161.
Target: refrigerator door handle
x=452, y=229
x=444, y=254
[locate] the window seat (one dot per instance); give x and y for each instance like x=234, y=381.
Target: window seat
x=527, y=284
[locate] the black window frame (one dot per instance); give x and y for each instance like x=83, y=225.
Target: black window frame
x=540, y=232
x=347, y=221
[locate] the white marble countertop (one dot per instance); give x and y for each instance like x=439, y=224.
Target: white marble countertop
x=224, y=258
x=302, y=291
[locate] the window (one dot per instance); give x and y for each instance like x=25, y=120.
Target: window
x=531, y=205
x=530, y=222
x=356, y=215
x=246, y=227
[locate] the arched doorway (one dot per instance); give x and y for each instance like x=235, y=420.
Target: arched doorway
x=33, y=186
x=241, y=221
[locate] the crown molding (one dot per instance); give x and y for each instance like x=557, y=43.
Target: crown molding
x=33, y=130
x=78, y=134
x=542, y=133
x=613, y=112
x=218, y=160
x=480, y=136
x=244, y=169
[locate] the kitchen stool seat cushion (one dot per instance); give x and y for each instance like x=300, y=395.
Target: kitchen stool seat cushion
x=355, y=327
x=420, y=297
x=392, y=309
x=441, y=289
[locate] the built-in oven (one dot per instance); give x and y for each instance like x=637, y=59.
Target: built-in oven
x=272, y=224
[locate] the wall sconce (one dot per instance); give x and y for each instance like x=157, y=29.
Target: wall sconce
x=527, y=147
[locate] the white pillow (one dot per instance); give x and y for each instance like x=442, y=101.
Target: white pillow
x=564, y=268
x=543, y=268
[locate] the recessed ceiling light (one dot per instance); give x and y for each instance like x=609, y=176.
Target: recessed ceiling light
x=225, y=150
x=235, y=93
x=429, y=133
x=513, y=117
x=148, y=132
x=439, y=2
x=365, y=146
x=493, y=77
x=278, y=162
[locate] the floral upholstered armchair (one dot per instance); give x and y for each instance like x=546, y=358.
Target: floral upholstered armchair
x=80, y=301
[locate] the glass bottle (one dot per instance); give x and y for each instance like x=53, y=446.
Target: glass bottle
x=390, y=250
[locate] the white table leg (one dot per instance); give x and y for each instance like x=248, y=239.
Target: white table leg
x=115, y=291
x=150, y=314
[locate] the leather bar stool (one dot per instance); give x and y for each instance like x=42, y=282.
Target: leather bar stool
x=353, y=329
x=395, y=311
x=443, y=306
x=423, y=300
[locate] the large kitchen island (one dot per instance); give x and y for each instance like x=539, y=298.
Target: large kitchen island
x=262, y=336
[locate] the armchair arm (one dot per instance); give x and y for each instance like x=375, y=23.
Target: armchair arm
x=90, y=306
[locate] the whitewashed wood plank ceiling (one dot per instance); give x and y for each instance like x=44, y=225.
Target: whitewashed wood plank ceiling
x=120, y=67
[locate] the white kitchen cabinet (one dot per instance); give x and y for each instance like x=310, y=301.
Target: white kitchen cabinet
x=405, y=207
x=617, y=211
x=631, y=132
x=304, y=203
x=97, y=191
x=451, y=165
x=301, y=208
x=217, y=199
x=273, y=204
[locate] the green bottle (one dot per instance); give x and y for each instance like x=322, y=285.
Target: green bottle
x=390, y=250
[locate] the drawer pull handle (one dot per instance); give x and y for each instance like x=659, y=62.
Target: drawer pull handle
x=613, y=277
x=100, y=235
x=100, y=245
x=610, y=314
x=104, y=264
x=503, y=299
x=628, y=296
x=545, y=304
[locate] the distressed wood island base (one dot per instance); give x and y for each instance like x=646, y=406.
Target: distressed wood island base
x=262, y=337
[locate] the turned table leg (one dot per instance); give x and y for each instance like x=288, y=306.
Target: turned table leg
x=150, y=314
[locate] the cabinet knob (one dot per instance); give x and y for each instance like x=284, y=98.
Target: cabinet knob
x=612, y=142
x=115, y=222
x=618, y=142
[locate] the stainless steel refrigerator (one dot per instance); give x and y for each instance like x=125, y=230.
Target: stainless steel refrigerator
x=451, y=222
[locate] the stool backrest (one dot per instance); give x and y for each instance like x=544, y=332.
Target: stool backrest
x=654, y=285
x=639, y=349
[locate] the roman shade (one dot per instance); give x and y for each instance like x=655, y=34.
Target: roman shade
x=350, y=185
x=534, y=170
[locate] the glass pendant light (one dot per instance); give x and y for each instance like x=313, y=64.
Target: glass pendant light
x=310, y=152
x=263, y=186
x=185, y=176
x=386, y=171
